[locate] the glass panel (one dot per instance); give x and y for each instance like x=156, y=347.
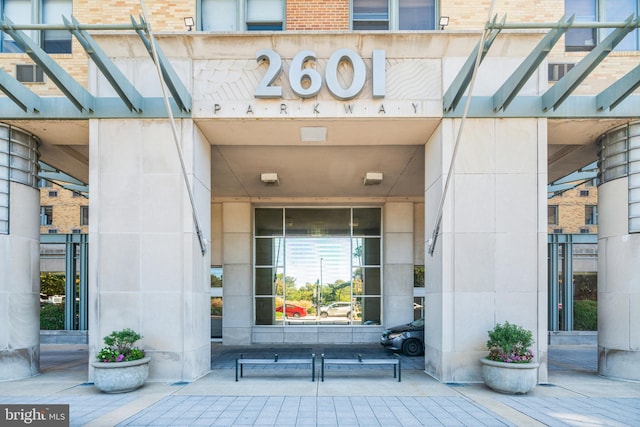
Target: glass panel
x=265, y=281
x=366, y=222
x=52, y=288
x=219, y=15
x=265, y=11
x=56, y=41
x=585, y=287
x=269, y=252
x=581, y=38
x=216, y=317
x=418, y=276
x=372, y=281
x=19, y=11
x=372, y=251
x=418, y=308
x=369, y=310
x=216, y=277
x=268, y=222
x=318, y=222
x=552, y=215
x=370, y=14
x=417, y=15
x=618, y=11
x=265, y=311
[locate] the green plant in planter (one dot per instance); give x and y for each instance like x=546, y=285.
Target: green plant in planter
x=119, y=347
x=510, y=343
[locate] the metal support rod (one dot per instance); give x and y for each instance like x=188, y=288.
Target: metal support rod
x=552, y=25
x=196, y=222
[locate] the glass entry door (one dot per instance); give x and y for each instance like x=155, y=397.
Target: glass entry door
x=317, y=266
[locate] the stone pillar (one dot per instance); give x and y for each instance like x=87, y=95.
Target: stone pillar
x=398, y=263
x=237, y=311
x=146, y=268
x=618, y=284
x=489, y=264
x=19, y=255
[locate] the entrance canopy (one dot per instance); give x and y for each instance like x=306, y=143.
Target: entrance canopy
x=322, y=137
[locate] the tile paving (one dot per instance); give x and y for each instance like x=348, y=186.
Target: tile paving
x=350, y=396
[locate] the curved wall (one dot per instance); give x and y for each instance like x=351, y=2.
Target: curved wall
x=19, y=255
x=619, y=254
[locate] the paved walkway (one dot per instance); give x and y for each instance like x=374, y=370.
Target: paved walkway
x=575, y=395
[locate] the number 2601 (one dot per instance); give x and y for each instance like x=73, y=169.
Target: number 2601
x=299, y=75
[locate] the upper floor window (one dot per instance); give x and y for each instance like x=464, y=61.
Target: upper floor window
x=393, y=14
x=242, y=15
x=591, y=215
x=552, y=214
x=37, y=12
x=585, y=39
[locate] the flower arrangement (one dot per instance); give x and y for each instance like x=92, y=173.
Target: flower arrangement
x=510, y=343
x=119, y=347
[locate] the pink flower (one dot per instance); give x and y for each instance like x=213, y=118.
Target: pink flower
x=120, y=357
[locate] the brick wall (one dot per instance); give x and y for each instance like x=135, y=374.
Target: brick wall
x=571, y=209
x=66, y=210
x=317, y=15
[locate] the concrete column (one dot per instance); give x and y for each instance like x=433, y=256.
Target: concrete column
x=489, y=264
x=237, y=309
x=618, y=284
x=146, y=268
x=398, y=263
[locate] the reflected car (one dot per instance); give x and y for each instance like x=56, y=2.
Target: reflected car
x=336, y=309
x=408, y=338
x=292, y=310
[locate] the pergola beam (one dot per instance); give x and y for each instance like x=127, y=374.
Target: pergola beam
x=553, y=97
x=510, y=88
x=179, y=92
x=77, y=94
x=454, y=93
x=127, y=92
x=619, y=91
x=18, y=93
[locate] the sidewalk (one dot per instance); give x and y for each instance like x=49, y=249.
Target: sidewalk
x=575, y=395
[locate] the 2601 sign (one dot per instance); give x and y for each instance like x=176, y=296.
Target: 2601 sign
x=307, y=82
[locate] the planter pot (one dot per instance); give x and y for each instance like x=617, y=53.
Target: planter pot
x=120, y=377
x=509, y=378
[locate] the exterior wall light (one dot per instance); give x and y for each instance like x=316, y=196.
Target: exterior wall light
x=444, y=21
x=373, y=178
x=188, y=22
x=269, y=178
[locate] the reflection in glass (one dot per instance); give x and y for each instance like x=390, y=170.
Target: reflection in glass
x=318, y=273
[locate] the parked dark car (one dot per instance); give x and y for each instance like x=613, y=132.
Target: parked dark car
x=292, y=310
x=408, y=338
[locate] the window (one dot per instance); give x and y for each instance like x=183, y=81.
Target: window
x=84, y=215
x=29, y=73
x=552, y=214
x=585, y=39
x=557, y=71
x=584, y=193
x=76, y=231
x=43, y=183
x=46, y=215
x=38, y=12
x=393, y=14
x=53, y=193
x=591, y=215
x=318, y=266
x=216, y=302
x=241, y=15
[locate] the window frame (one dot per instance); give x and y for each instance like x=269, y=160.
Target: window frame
x=599, y=34
x=36, y=17
x=84, y=215
x=593, y=215
x=393, y=19
x=556, y=214
x=242, y=23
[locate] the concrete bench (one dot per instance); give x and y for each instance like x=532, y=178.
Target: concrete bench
x=311, y=361
x=360, y=361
